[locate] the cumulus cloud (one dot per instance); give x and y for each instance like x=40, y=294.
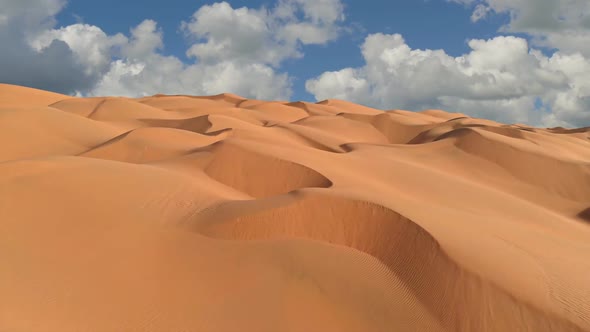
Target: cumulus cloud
x=480, y=12
x=232, y=49
x=30, y=15
x=146, y=39
x=560, y=24
x=169, y=75
x=52, y=67
x=91, y=47
x=500, y=78
x=241, y=34
x=262, y=35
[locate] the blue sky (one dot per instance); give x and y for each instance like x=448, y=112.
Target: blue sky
x=525, y=61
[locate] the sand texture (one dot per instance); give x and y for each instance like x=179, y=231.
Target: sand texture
x=220, y=213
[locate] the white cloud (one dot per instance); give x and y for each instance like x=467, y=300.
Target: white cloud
x=146, y=39
x=91, y=46
x=240, y=34
x=480, y=12
x=319, y=12
x=500, y=79
x=167, y=74
x=235, y=50
x=262, y=35
x=320, y=23
x=570, y=106
x=348, y=83
x=561, y=24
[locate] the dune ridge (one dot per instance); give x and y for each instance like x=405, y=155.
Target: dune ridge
x=222, y=213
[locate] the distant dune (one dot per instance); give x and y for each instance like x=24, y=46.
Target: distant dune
x=221, y=213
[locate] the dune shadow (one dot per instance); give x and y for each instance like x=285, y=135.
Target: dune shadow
x=257, y=174
x=199, y=124
x=585, y=215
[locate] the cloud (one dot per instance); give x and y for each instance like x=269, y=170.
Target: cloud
x=146, y=39
x=169, y=75
x=260, y=35
x=559, y=24
x=54, y=67
x=234, y=49
x=570, y=106
x=240, y=34
x=91, y=47
x=480, y=12
x=237, y=50
x=30, y=15
x=500, y=78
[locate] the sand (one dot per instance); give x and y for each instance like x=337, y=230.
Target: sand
x=220, y=213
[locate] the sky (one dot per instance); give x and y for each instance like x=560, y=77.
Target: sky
x=513, y=61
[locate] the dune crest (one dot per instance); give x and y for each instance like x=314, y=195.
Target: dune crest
x=18, y=96
x=222, y=213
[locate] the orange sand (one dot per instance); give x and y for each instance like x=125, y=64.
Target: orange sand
x=179, y=213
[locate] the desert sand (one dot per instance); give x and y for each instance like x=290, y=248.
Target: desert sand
x=220, y=213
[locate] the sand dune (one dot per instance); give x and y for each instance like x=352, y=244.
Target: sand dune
x=17, y=96
x=221, y=213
